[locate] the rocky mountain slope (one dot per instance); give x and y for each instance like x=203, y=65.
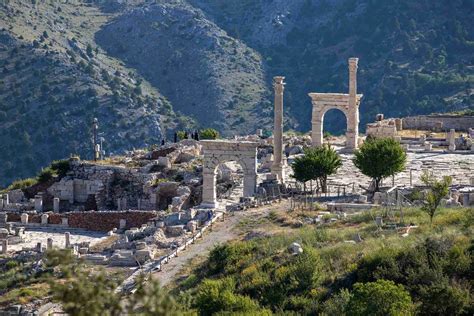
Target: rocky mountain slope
x=415, y=57
x=145, y=68
x=54, y=80
x=203, y=72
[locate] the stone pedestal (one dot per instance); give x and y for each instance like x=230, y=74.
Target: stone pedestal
x=56, y=205
x=428, y=146
x=6, y=200
x=39, y=203
x=399, y=124
x=24, y=218
x=49, y=245
x=67, y=239
x=122, y=224
x=277, y=166
x=451, y=140
x=64, y=221
x=44, y=219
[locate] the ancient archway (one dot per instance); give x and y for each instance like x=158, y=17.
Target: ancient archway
x=347, y=103
x=219, y=151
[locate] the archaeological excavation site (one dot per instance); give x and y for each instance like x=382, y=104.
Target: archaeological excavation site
x=146, y=213
x=236, y=157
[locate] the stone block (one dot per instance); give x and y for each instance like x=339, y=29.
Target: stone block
x=164, y=162
x=175, y=231
x=192, y=226
x=39, y=203
x=44, y=219
x=363, y=198
x=123, y=224
x=56, y=205
x=64, y=221
x=3, y=218
x=4, y=233
x=49, y=244
x=428, y=146
x=140, y=245
x=143, y=255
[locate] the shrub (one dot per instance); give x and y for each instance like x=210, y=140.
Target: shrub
x=337, y=304
x=22, y=184
x=209, y=133
x=215, y=296
x=380, y=298
x=46, y=175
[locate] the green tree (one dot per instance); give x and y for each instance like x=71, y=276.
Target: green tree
x=379, y=158
x=84, y=292
x=437, y=190
x=380, y=298
x=317, y=164
x=208, y=133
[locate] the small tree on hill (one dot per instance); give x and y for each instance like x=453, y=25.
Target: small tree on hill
x=379, y=158
x=316, y=164
x=437, y=190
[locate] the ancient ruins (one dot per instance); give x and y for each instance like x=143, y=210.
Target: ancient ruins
x=347, y=103
x=144, y=208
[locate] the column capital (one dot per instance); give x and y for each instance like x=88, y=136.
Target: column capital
x=278, y=84
x=353, y=64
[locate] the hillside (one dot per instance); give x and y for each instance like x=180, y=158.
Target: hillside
x=415, y=57
x=54, y=80
x=202, y=71
x=146, y=68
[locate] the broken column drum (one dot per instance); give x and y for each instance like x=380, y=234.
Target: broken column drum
x=277, y=166
x=347, y=103
x=220, y=151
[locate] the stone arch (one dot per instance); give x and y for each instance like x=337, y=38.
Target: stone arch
x=347, y=103
x=219, y=151
x=318, y=122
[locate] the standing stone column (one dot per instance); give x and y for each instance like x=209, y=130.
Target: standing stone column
x=6, y=200
x=39, y=203
x=49, y=244
x=452, y=140
x=4, y=246
x=209, y=196
x=277, y=167
x=67, y=236
x=56, y=205
x=352, y=134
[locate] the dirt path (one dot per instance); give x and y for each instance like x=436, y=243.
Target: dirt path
x=221, y=233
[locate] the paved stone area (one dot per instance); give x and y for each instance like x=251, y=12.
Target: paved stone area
x=32, y=237
x=459, y=166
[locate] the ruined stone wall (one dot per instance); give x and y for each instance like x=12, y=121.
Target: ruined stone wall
x=431, y=122
x=94, y=221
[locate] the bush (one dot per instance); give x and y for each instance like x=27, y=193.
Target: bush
x=22, y=184
x=380, y=298
x=215, y=296
x=208, y=133
x=46, y=175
